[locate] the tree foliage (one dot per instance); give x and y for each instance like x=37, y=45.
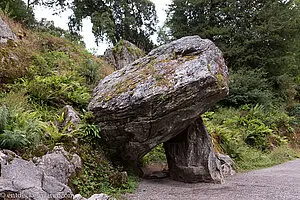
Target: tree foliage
x=251, y=33
x=18, y=10
x=132, y=20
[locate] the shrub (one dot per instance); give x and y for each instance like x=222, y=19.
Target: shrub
x=249, y=86
x=157, y=154
x=19, y=128
x=14, y=63
x=236, y=130
x=96, y=173
x=91, y=71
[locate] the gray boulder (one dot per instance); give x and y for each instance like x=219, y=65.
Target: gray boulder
x=46, y=179
x=22, y=179
x=59, y=164
x=71, y=118
x=123, y=54
x=159, y=96
x=5, y=32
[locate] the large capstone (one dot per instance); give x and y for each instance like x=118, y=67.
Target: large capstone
x=158, y=97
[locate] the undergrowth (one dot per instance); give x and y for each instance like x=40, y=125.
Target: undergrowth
x=40, y=73
x=254, y=136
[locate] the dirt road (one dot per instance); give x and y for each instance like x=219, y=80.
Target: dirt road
x=275, y=183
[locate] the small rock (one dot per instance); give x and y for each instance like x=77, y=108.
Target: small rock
x=60, y=164
x=7, y=156
x=99, y=197
x=71, y=118
x=227, y=164
x=78, y=197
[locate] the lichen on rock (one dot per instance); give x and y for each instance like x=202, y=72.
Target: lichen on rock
x=157, y=97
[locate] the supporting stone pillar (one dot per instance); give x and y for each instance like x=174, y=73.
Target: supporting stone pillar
x=191, y=157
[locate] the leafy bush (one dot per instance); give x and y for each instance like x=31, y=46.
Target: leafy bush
x=236, y=130
x=14, y=63
x=255, y=159
x=249, y=86
x=91, y=71
x=284, y=88
x=96, y=173
x=19, y=128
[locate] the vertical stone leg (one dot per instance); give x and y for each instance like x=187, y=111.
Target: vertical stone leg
x=191, y=157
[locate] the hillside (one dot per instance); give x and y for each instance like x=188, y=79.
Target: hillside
x=41, y=73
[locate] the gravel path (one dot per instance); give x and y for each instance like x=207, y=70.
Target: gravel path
x=275, y=183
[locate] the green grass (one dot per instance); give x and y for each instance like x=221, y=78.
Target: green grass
x=255, y=159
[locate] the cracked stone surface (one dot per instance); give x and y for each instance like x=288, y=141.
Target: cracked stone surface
x=59, y=164
x=46, y=179
x=157, y=97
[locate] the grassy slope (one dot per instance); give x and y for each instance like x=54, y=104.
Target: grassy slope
x=40, y=74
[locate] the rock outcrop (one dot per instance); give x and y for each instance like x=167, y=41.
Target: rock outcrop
x=191, y=157
x=59, y=164
x=5, y=32
x=123, y=54
x=46, y=179
x=160, y=96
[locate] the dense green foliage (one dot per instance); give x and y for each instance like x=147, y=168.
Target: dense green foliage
x=250, y=134
x=251, y=34
x=157, y=155
x=98, y=175
x=18, y=10
x=19, y=127
x=249, y=87
x=132, y=20
x=49, y=68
